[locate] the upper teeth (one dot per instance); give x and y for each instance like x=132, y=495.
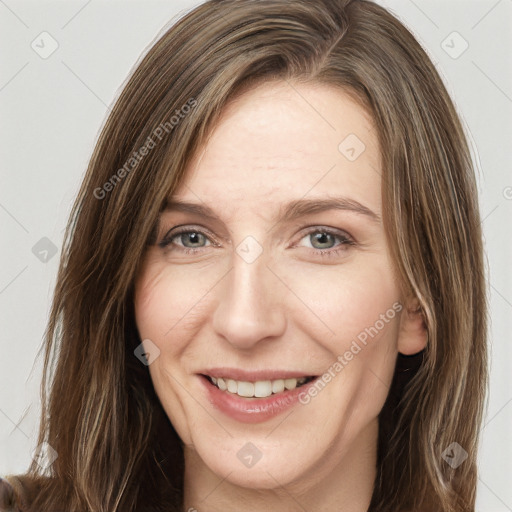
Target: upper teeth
x=259, y=389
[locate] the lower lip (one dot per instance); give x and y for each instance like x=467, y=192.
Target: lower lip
x=253, y=410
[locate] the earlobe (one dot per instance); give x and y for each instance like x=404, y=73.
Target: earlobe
x=413, y=334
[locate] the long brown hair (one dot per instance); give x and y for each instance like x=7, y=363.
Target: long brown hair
x=117, y=450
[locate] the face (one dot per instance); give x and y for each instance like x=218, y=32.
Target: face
x=271, y=277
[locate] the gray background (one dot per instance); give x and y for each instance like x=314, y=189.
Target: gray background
x=51, y=112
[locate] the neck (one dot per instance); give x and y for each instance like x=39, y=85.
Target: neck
x=346, y=479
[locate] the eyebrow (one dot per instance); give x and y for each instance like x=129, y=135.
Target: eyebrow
x=288, y=212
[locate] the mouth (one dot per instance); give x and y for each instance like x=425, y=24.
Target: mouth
x=254, y=396
x=257, y=389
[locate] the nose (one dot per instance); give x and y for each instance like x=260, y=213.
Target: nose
x=250, y=305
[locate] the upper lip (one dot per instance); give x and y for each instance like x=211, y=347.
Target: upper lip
x=253, y=375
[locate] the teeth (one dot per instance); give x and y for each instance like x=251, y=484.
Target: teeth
x=262, y=388
x=290, y=383
x=278, y=386
x=245, y=389
x=232, y=385
x=259, y=389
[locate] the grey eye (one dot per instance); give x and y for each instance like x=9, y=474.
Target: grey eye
x=322, y=240
x=192, y=239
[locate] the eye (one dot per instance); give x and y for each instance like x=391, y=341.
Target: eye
x=192, y=239
x=186, y=239
x=322, y=240
x=326, y=241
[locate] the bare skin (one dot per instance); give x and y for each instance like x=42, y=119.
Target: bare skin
x=297, y=306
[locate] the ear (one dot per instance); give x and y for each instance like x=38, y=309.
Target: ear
x=412, y=335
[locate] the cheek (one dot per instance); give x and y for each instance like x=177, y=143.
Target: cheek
x=153, y=303
x=354, y=315
x=169, y=301
x=348, y=302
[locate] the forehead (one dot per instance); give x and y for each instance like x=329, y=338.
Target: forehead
x=282, y=141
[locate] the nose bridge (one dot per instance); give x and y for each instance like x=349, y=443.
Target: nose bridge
x=249, y=308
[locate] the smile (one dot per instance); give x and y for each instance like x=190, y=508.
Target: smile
x=253, y=396
x=258, y=389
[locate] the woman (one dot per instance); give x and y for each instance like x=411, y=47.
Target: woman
x=263, y=301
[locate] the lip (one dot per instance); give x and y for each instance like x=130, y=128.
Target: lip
x=253, y=376
x=253, y=410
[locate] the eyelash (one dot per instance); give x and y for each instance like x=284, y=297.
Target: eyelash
x=345, y=240
x=187, y=250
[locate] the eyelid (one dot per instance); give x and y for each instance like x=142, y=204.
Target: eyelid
x=341, y=233
x=180, y=228
x=347, y=238
x=186, y=228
